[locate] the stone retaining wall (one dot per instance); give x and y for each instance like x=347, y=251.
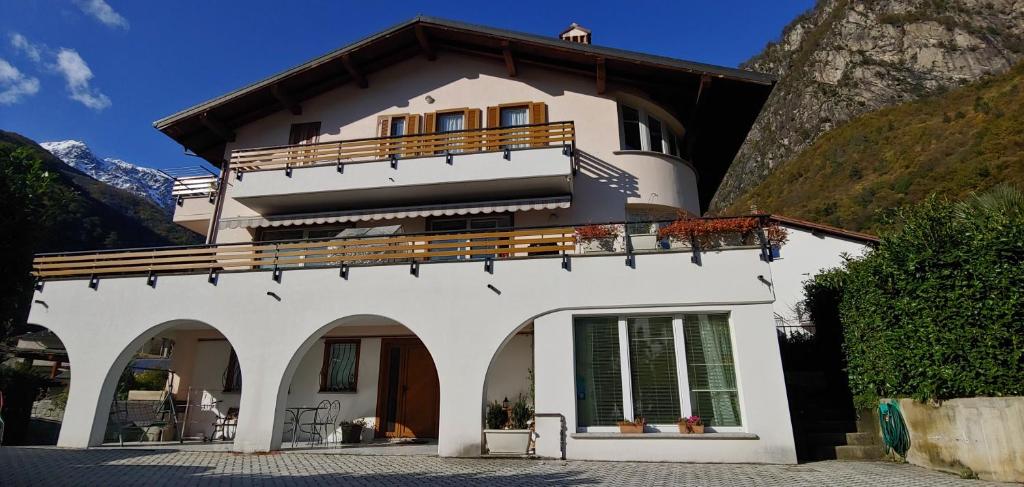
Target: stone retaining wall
x=983, y=434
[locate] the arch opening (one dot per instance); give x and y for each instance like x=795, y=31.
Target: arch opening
x=35, y=379
x=180, y=382
x=362, y=379
x=508, y=395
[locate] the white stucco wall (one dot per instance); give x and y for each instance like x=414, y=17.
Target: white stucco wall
x=759, y=380
x=801, y=258
x=604, y=184
x=509, y=375
x=448, y=306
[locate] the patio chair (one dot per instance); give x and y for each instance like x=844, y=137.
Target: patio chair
x=322, y=420
x=226, y=425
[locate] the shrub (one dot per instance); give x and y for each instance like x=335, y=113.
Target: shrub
x=496, y=418
x=520, y=415
x=937, y=310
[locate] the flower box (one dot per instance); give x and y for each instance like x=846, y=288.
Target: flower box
x=507, y=441
x=632, y=426
x=598, y=245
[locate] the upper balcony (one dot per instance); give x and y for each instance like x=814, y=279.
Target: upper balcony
x=194, y=191
x=524, y=161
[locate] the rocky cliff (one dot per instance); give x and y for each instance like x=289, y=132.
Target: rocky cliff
x=142, y=181
x=844, y=58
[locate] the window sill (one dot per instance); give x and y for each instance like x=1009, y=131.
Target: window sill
x=664, y=436
x=336, y=392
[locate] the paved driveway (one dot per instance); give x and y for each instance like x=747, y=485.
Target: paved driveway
x=107, y=467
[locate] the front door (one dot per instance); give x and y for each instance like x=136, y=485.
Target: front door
x=408, y=394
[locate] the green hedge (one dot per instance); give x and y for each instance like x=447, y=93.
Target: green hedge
x=937, y=310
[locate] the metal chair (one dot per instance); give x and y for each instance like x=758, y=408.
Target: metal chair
x=226, y=425
x=320, y=415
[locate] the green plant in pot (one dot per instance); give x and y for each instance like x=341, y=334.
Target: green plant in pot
x=508, y=426
x=352, y=431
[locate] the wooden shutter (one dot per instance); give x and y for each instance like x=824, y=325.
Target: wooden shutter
x=429, y=126
x=493, y=122
x=383, y=130
x=473, y=119
x=412, y=127
x=538, y=115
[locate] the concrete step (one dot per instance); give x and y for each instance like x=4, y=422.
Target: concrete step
x=859, y=452
x=862, y=439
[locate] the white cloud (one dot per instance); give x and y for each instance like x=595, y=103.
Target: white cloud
x=14, y=85
x=22, y=44
x=103, y=12
x=77, y=75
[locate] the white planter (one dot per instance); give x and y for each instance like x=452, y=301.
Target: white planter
x=598, y=245
x=507, y=441
x=644, y=241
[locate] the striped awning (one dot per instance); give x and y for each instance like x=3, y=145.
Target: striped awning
x=392, y=213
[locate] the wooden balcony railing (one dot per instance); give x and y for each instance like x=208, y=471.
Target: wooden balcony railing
x=406, y=146
x=374, y=250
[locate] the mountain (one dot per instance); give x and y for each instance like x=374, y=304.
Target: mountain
x=950, y=144
x=143, y=181
x=101, y=216
x=844, y=58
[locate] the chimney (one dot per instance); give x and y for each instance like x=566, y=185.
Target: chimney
x=576, y=33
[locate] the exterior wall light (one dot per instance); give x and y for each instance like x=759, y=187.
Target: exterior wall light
x=429, y=99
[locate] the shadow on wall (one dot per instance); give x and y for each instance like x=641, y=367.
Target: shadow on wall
x=602, y=188
x=110, y=467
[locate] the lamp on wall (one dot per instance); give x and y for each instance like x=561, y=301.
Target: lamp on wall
x=429, y=99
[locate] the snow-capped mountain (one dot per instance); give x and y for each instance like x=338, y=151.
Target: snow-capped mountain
x=143, y=181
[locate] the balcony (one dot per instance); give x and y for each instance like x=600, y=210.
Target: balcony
x=194, y=191
x=411, y=249
x=528, y=161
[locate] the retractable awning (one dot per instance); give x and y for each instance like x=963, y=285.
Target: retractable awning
x=391, y=213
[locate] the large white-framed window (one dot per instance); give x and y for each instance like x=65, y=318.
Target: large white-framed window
x=640, y=130
x=657, y=366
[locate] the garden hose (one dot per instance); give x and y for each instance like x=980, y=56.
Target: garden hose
x=894, y=429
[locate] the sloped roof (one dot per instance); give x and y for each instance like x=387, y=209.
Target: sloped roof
x=826, y=229
x=718, y=104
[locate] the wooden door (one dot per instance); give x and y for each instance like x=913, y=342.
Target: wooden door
x=408, y=394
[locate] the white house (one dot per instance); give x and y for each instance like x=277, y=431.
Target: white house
x=442, y=216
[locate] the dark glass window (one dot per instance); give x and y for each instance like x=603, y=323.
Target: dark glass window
x=341, y=366
x=598, y=371
x=655, y=135
x=631, y=129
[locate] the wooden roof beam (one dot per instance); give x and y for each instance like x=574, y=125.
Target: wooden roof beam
x=424, y=41
x=356, y=75
x=510, y=62
x=217, y=127
x=287, y=102
x=601, y=76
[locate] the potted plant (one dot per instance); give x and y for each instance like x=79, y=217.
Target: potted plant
x=352, y=431
x=508, y=426
x=635, y=426
x=597, y=238
x=692, y=424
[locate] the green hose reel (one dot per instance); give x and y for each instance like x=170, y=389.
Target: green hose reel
x=894, y=429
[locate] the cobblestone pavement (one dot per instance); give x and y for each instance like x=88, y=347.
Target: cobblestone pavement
x=108, y=467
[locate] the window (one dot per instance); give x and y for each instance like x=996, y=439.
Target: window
x=232, y=374
x=291, y=234
x=501, y=222
x=513, y=116
x=341, y=366
x=598, y=371
x=304, y=133
x=397, y=126
x=660, y=367
x=643, y=131
x=655, y=141
x=652, y=366
x=631, y=129
x=710, y=368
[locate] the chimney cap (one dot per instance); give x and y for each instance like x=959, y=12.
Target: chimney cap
x=576, y=33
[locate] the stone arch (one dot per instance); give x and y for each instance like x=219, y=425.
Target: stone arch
x=361, y=325
x=126, y=355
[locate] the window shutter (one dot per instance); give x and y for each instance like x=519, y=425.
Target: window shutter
x=493, y=122
x=412, y=127
x=598, y=371
x=429, y=126
x=383, y=130
x=652, y=365
x=473, y=116
x=538, y=112
x=538, y=115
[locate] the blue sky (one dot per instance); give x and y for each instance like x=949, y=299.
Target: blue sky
x=102, y=71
